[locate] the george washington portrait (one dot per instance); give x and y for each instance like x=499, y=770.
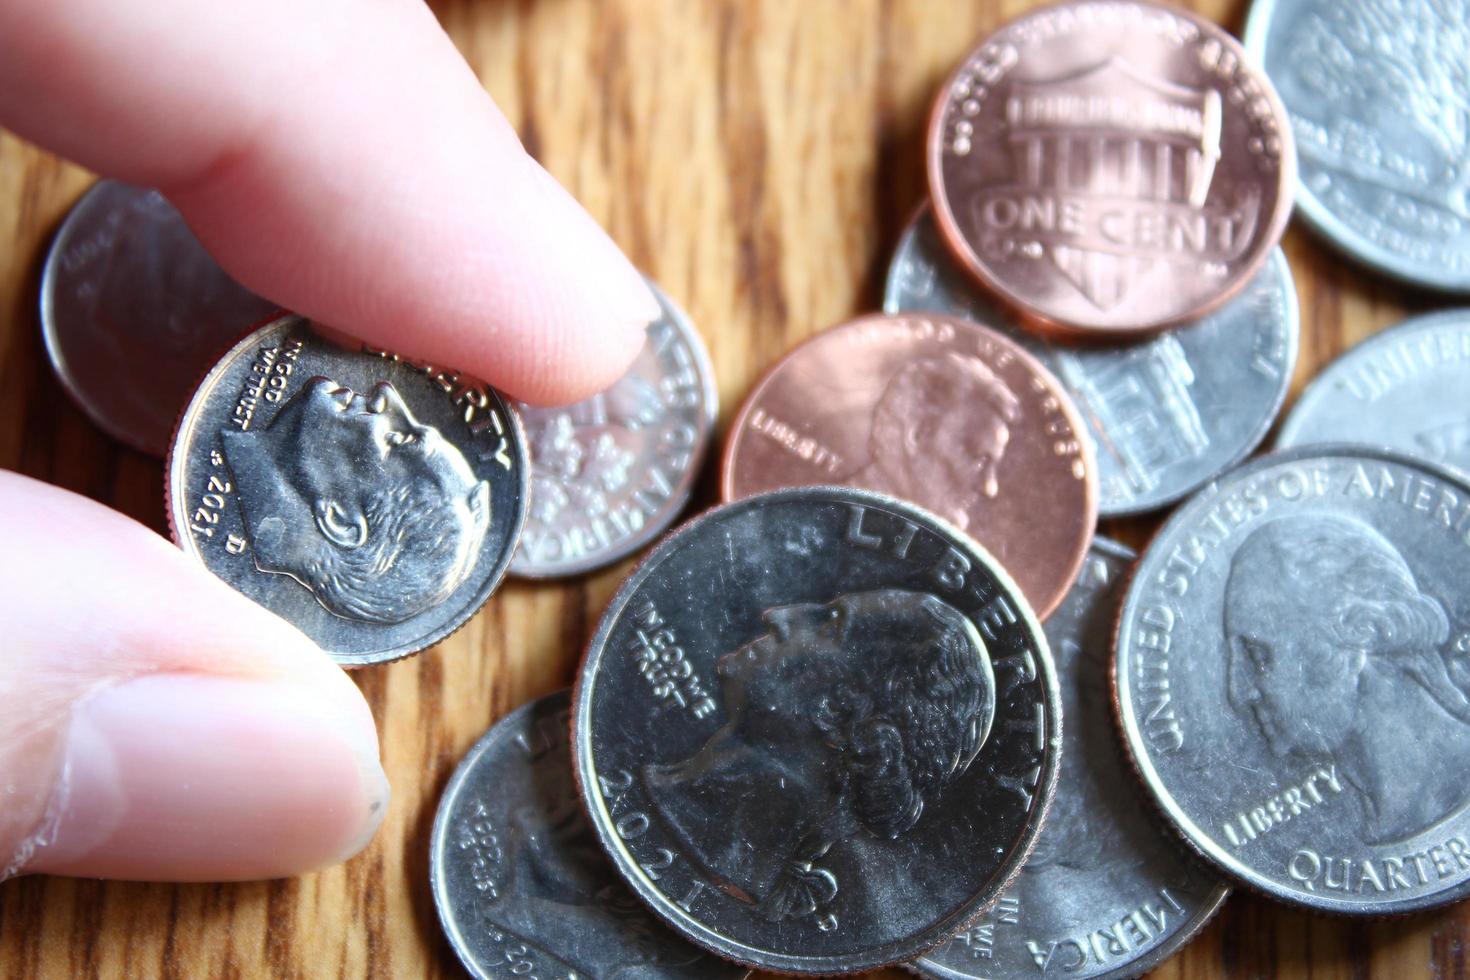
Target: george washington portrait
x=1336, y=651
x=372, y=510
x=846, y=720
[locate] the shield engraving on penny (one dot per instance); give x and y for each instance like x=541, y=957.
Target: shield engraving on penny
x=1113, y=169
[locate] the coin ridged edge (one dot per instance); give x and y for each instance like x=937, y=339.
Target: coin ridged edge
x=1172, y=814
x=172, y=478
x=686, y=925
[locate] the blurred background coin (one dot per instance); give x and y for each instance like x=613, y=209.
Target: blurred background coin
x=1105, y=893
x=371, y=501
x=1165, y=414
x=1293, y=678
x=611, y=473
x=1406, y=388
x=1110, y=167
x=1379, y=97
x=521, y=886
x=134, y=311
x=941, y=412
x=817, y=730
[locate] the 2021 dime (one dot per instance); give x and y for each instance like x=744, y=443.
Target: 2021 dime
x=1105, y=893
x=1165, y=414
x=369, y=500
x=1111, y=167
x=1375, y=90
x=1293, y=678
x=134, y=311
x=941, y=412
x=1404, y=389
x=817, y=730
x=611, y=473
x=521, y=886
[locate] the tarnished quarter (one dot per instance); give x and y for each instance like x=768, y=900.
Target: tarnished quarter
x=1405, y=388
x=1166, y=414
x=817, y=730
x=1110, y=166
x=611, y=473
x=938, y=411
x=521, y=886
x=1376, y=92
x=1292, y=670
x=371, y=501
x=1104, y=893
x=134, y=311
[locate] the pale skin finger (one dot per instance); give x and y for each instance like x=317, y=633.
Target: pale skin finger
x=340, y=158
x=155, y=724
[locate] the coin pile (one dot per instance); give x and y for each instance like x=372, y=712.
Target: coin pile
x=820, y=728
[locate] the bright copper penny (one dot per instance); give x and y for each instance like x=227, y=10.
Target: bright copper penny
x=940, y=412
x=1111, y=167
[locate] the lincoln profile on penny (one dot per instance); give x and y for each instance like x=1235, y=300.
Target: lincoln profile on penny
x=1333, y=645
x=939, y=432
x=846, y=720
x=375, y=512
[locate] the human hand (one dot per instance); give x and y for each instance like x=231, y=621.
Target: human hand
x=340, y=158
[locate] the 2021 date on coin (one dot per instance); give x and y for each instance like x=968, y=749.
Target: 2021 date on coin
x=817, y=730
x=521, y=886
x=371, y=501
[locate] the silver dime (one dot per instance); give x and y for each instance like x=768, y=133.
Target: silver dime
x=1293, y=678
x=611, y=473
x=134, y=311
x=1165, y=415
x=817, y=730
x=1105, y=893
x=371, y=501
x=1376, y=92
x=1405, y=389
x=521, y=886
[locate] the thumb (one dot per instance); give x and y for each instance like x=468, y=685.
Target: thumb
x=157, y=725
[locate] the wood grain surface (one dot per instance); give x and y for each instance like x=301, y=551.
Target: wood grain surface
x=759, y=160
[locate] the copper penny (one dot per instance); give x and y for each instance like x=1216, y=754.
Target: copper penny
x=1111, y=167
x=942, y=413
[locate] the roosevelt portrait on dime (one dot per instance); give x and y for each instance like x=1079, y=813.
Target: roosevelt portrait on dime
x=845, y=721
x=939, y=432
x=1337, y=653
x=375, y=512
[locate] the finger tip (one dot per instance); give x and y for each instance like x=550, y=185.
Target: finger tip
x=198, y=778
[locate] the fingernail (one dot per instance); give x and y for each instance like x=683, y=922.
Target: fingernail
x=181, y=777
x=626, y=296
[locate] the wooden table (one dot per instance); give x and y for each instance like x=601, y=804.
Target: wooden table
x=759, y=160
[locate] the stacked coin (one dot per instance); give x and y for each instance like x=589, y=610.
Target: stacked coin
x=820, y=728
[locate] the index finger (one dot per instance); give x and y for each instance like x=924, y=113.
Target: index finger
x=341, y=159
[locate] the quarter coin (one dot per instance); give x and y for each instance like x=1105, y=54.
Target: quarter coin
x=1376, y=94
x=134, y=311
x=1404, y=388
x=1110, y=167
x=521, y=886
x=611, y=473
x=1293, y=678
x=371, y=501
x=817, y=729
x=1166, y=414
x=1105, y=893
x=941, y=412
